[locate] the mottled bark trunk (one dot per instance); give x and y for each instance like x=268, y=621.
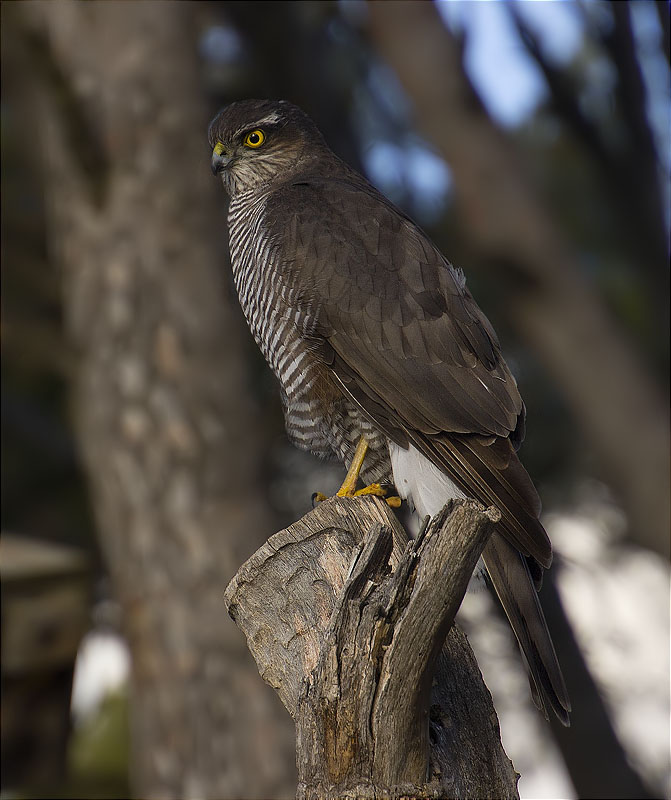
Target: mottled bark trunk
x=168, y=433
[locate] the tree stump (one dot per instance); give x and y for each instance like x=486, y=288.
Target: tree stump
x=352, y=625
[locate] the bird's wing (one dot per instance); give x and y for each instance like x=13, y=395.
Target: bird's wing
x=405, y=339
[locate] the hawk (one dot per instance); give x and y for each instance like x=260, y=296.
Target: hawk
x=383, y=357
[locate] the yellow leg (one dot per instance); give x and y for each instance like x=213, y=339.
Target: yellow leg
x=348, y=488
x=349, y=484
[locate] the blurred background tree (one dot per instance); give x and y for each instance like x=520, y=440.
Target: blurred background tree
x=139, y=421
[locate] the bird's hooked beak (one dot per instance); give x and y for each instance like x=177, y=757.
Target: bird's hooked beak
x=220, y=158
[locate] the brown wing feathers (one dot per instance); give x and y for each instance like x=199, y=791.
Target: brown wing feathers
x=405, y=339
x=408, y=344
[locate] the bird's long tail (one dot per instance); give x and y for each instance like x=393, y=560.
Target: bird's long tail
x=427, y=489
x=509, y=574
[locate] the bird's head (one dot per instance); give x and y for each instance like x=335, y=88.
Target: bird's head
x=256, y=142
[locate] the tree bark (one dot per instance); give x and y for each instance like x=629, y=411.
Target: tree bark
x=348, y=622
x=175, y=484
x=613, y=398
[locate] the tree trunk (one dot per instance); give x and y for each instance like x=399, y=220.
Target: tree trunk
x=166, y=426
x=348, y=622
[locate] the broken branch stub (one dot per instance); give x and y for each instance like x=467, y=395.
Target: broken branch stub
x=347, y=621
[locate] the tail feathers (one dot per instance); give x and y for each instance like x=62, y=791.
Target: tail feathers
x=424, y=482
x=493, y=474
x=514, y=586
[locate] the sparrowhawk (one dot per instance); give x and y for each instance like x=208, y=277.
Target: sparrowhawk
x=376, y=339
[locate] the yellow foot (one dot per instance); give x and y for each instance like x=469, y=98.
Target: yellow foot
x=348, y=489
x=376, y=490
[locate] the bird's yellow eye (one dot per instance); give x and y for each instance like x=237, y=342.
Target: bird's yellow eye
x=255, y=138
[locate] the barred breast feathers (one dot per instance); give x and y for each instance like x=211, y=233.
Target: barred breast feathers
x=318, y=418
x=265, y=300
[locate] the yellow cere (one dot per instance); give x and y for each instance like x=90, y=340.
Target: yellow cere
x=255, y=138
x=218, y=149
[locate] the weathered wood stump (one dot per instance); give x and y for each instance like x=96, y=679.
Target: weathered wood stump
x=353, y=627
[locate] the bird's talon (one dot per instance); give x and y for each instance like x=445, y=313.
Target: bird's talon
x=374, y=489
x=318, y=497
x=377, y=491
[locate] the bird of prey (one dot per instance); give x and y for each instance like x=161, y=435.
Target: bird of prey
x=383, y=357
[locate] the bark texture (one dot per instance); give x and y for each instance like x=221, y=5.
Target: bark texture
x=163, y=415
x=348, y=622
